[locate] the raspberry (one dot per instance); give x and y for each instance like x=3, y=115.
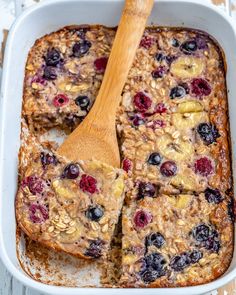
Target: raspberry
x=160, y=108
x=142, y=218
x=34, y=183
x=142, y=102
x=127, y=165
x=38, y=213
x=200, y=87
x=38, y=79
x=100, y=64
x=156, y=124
x=147, y=42
x=203, y=166
x=88, y=184
x=60, y=100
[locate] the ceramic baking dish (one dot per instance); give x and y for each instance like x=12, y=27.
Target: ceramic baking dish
x=50, y=16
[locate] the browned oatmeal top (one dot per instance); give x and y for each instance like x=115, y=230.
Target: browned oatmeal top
x=177, y=221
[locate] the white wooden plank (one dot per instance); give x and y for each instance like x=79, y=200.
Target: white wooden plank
x=31, y=292
x=17, y=288
x=5, y=281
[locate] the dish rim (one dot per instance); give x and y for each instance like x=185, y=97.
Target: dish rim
x=23, y=277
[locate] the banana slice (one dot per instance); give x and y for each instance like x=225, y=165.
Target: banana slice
x=187, y=67
x=176, y=150
x=69, y=238
x=189, y=107
x=62, y=191
x=183, y=201
x=184, y=182
x=188, y=120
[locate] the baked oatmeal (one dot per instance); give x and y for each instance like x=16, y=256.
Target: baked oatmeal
x=177, y=221
x=70, y=207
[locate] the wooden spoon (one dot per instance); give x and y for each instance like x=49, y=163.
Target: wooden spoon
x=96, y=136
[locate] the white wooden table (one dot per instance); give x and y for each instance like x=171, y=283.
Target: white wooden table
x=9, y=9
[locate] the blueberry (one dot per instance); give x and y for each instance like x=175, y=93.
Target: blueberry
x=146, y=189
x=95, y=249
x=47, y=159
x=175, y=42
x=53, y=57
x=155, y=239
x=208, y=133
x=94, y=213
x=82, y=31
x=213, y=196
x=189, y=47
x=168, y=169
x=212, y=244
x=170, y=58
x=153, y=267
x=71, y=171
x=83, y=102
x=159, y=56
x=201, y=42
x=207, y=237
x=195, y=256
x=231, y=211
x=180, y=262
x=159, y=72
x=154, y=159
x=201, y=232
x=137, y=119
x=49, y=73
x=148, y=276
x=177, y=92
x=81, y=48
x=155, y=261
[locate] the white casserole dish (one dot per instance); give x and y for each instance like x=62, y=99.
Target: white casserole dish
x=50, y=16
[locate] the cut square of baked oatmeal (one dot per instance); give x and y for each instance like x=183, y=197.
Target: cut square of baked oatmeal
x=179, y=240
x=63, y=74
x=178, y=152
x=71, y=207
x=173, y=67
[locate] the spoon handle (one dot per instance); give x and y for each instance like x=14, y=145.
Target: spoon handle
x=127, y=40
